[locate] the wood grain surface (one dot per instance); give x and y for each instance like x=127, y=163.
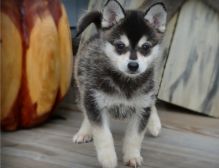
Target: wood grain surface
x=186, y=141
x=191, y=76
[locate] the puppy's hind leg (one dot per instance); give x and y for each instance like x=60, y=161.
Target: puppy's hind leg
x=84, y=135
x=154, y=124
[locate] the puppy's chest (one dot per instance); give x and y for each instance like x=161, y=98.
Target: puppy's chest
x=121, y=107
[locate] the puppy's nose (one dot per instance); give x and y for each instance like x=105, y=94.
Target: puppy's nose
x=133, y=66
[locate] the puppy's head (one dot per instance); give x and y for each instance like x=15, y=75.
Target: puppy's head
x=132, y=37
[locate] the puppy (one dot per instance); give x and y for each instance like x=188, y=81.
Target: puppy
x=115, y=75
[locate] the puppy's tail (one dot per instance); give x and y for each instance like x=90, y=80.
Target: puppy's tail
x=90, y=17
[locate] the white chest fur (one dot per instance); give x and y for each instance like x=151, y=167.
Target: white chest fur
x=140, y=101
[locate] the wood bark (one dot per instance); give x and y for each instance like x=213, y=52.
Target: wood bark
x=36, y=60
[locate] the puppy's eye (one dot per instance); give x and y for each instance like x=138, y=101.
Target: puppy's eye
x=146, y=46
x=120, y=46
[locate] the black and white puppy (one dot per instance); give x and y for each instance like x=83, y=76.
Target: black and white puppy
x=115, y=75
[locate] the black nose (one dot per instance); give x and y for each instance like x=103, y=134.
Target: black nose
x=133, y=66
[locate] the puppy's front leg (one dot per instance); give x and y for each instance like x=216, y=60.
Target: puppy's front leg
x=103, y=142
x=84, y=135
x=102, y=136
x=134, y=137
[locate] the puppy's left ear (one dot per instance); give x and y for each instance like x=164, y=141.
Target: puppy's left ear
x=157, y=16
x=112, y=13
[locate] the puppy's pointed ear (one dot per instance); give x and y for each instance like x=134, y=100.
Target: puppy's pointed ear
x=112, y=13
x=157, y=16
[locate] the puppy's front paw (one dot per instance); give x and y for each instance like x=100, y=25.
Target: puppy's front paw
x=82, y=138
x=134, y=161
x=107, y=158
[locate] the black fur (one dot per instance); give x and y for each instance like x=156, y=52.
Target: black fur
x=121, y=111
x=135, y=26
x=92, y=17
x=144, y=119
x=129, y=86
x=111, y=81
x=106, y=85
x=92, y=110
x=133, y=55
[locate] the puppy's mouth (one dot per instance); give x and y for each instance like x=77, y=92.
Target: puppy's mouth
x=131, y=73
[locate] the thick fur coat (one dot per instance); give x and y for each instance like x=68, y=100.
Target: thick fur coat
x=115, y=76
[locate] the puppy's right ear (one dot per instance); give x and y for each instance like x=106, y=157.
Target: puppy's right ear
x=112, y=13
x=88, y=18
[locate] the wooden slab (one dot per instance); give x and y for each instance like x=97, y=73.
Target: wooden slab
x=191, y=77
x=164, y=50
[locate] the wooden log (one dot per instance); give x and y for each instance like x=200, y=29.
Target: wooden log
x=11, y=63
x=36, y=60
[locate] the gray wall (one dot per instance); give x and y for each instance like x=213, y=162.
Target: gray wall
x=74, y=9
